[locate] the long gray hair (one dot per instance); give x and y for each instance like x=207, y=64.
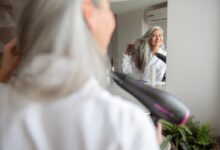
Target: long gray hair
x=58, y=52
x=142, y=49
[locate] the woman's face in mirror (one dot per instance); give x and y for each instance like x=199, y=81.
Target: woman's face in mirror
x=156, y=39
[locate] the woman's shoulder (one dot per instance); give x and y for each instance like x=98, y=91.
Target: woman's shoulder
x=163, y=52
x=94, y=110
x=124, y=116
x=103, y=99
x=109, y=117
x=117, y=102
x=120, y=108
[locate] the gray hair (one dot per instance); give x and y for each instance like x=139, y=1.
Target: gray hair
x=143, y=49
x=151, y=30
x=58, y=52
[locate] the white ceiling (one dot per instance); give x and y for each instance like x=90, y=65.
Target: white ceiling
x=118, y=6
x=123, y=6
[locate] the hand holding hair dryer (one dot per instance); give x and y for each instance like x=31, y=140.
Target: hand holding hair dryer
x=161, y=104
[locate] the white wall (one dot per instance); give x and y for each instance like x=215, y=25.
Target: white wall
x=193, y=72
x=129, y=27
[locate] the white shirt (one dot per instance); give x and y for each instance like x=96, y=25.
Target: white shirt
x=91, y=119
x=129, y=67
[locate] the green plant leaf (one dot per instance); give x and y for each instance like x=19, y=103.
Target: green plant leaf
x=204, y=136
x=183, y=135
x=191, y=136
x=166, y=125
x=187, y=130
x=166, y=141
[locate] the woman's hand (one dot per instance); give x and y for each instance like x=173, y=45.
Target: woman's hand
x=130, y=49
x=159, y=132
x=9, y=61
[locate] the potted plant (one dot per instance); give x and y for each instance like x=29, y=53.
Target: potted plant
x=191, y=136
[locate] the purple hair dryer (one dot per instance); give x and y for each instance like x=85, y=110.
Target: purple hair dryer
x=161, y=104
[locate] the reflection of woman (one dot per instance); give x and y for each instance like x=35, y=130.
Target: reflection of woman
x=140, y=59
x=55, y=100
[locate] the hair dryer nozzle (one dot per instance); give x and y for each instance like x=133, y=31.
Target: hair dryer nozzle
x=160, y=103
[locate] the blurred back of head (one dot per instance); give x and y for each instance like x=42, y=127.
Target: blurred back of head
x=58, y=52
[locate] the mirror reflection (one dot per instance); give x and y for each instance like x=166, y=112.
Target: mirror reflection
x=138, y=46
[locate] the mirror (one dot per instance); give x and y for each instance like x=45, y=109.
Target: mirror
x=133, y=19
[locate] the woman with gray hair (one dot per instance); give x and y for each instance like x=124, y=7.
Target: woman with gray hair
x=56, y=100
x=140, y=60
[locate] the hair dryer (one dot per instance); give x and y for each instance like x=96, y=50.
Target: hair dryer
x=164, y=59
x=161, y=104
x=161, y=57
